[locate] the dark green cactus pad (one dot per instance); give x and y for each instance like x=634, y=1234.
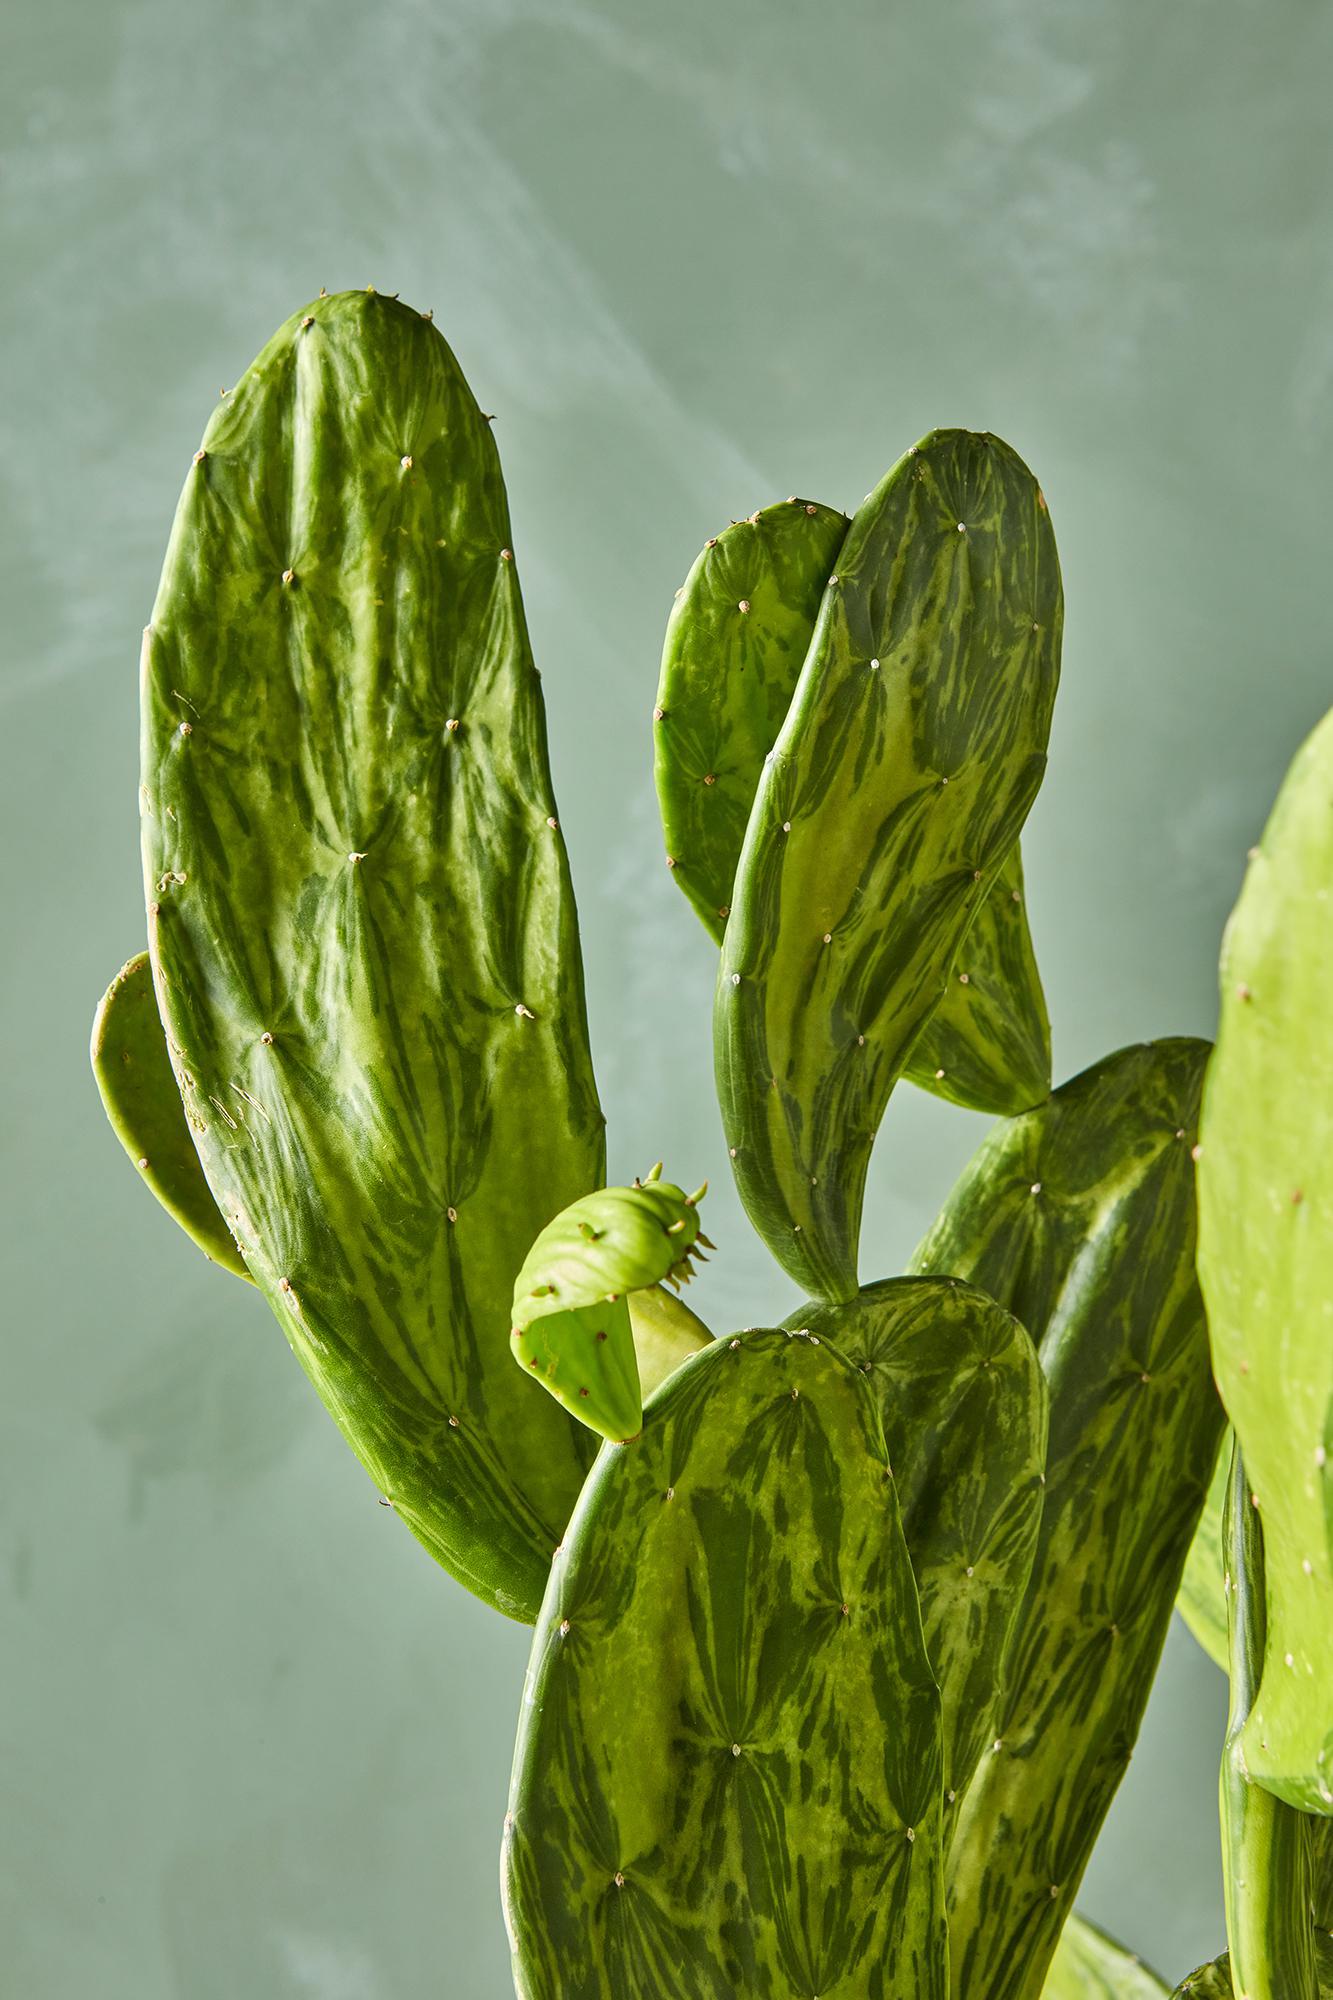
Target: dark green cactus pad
x=1266, y=1257
x=572, y=1330
x=735, y=645
x=727, y=1778
x=987, y=1046
x=360, y=914
x=1089, y=1965
x=139, y=1095
x=1268, y=1859
x=963, y=1402
x=1079, y=1218
x=1202, y=1602
x=912, y=751
x=1210, y=1982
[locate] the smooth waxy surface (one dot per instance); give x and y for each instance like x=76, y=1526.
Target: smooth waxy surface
x=911, y=753
x=727, y=1778
x=141, y=1099
x=360, y=914
x=1202, y=1602
x=963, y=1402
x=1266, y=1845
x=1266, y=1257
x=1088, y=1965
x=735, y=645
x=1079, y=1218
x=666, y=1333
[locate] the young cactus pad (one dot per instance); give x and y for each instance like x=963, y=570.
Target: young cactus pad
x=727, y=1777
x=132, y=1066
x=736, y=641
x=1079, y=1218
x=1266, y=1844
x=572, y=1329
x=1202, y=1601
x=963, y=1402
x=360, y=915
x=1266, y=1257
x=911, y=753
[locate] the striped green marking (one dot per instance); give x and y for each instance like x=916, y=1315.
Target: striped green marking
x=1210, y=1982
x=1079, y=1218
x=1202, y=1601
x=900, y=780
x=735, y=645
x=1266, y=1845
x=1089, y=1965
x=1266, y=1257
x=360, y=915
x=133, y=1070
x=963, y=1402
x=727, y=1777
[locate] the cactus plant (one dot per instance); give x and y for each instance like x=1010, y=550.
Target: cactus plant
x=736, y=642
x=850, y=1624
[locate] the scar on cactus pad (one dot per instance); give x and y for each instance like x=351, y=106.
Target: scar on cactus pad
x=572, y=1324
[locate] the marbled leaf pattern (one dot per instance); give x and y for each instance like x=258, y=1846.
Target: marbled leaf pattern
x=727, y=1778
x=1079, y=1217
x=900, y=780
x=360, y=915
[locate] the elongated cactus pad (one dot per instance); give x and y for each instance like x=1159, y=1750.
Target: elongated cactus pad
x=727, y=1778
x=1266, y=1257
x=360, y=916
x=911, y=753
x=140, y=1097
x=572, y=1328
x=1089, y=1965
x=1202, y=1602
x=666, y=1333
x=963, y=1402
x=1266, y=1845
x=735, y=645
x=1079, y=1218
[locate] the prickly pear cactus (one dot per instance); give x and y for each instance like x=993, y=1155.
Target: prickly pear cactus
x=1079, y=1218
x=360, y=916
x=1202, y=1602
x=139, y=1095
x=727, y=1778
x=963, y=1402
x=1210, y=1982
x=1266, y=1846
x=1265, y=1262
x=735, y=645
x=911, y=753
x=1089, y=1965
x=572, y=1329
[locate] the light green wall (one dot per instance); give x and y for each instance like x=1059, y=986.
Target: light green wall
x=695, y=254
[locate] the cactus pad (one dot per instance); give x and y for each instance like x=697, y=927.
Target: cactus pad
x=727, y=1778
x=139, y=1095
x=1089, y=1965
x=1079, y=1218
x=1266, y=1257
x=963, y=1402
x=360, y=916
x=910, y=755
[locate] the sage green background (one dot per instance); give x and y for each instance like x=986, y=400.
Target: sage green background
x=696, y=254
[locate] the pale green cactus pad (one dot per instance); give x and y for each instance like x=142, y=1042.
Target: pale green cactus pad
x=139, y=1095
x=735, y=645
x=1266, y=1257
x=1266, y=1845
x=963, y=1402
x=1079, y=1218
x=571, y=1319
x=1202, y=1602
x=910, y=755
x=361, y=919
x=666, y=1333
x=1089, y=1965
x=727, y=1778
